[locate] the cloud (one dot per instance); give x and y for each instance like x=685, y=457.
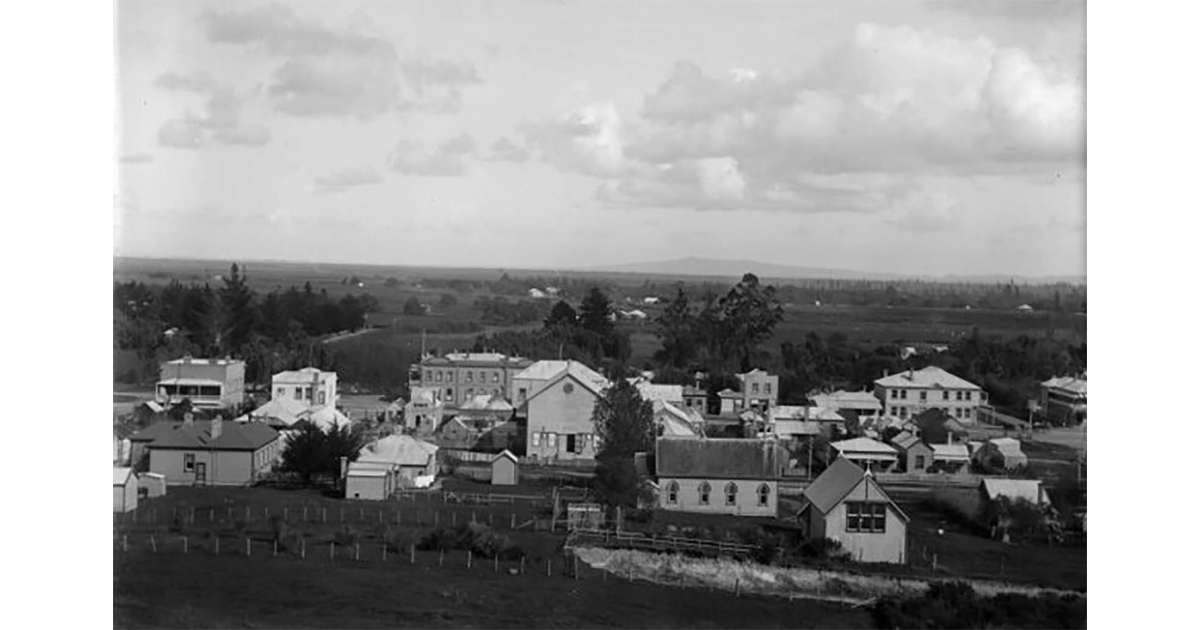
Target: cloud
x=444, y=160
x=332, y=72
x=1016, y=10
x=505, y=150
x=137, y=158
x=589, y=140
x=891, y=103
x=349, y=178
x=220, y=123
x=926, y=211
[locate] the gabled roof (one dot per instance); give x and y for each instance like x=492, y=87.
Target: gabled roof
x=864, y=445
x=797, y=427
x=905, y=440
x=666, y=393
x=728, y=393
x=121, y=475
x=587, y=381
x=235, y=436
x=691, y=390
x=720, y=458
x=935, y=424
x=325, y=417
x=302, y=375
x=930, y=376
x=837, y=482
x=849, y=400
x=1007, y=445
x=1028, y=489
x=673, y=420
x=424, y=395
x=486, y=402
x=403, y=450
x=1068, y=383
x=505, y=454
x=754, y=372
x=551, y=371
x=951, y=452
x=284, y=410
x=797, y=412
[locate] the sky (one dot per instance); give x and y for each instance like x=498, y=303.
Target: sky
x=923, y=137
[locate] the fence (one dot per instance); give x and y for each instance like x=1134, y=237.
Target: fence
x=448, y=454
x=653, y=542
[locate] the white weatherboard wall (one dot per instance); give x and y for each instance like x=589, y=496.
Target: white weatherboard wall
x=747, y=497
x=125, y=495
x=372, y=486
x=223, y=467
x=889, y=546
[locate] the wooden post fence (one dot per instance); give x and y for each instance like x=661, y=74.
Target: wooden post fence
x=185, y=544
x=247, y=547
x=154, y=546
x=547, y=567
x=441, y=556
x=331, y=550
x=356, y=552
x=124, y=542
x=468, y=558
x=274, y=548
x=412, y=554
x=217, y=546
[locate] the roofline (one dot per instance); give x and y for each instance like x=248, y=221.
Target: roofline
x=566, y=373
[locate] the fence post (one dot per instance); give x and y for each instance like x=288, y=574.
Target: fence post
x=185, y=544
x=468, y=558
x=547, y=567
x=385, y=551
x=274, y=548
x=154, y=546
x=935, y=561
x=124, y=542
x=331, y=550
x=229, y=513
x=306, y=514
x=575, y=568
x=303, y=548
x=412, y=554
x=435, y=517
x=512, y=523
x=267, y=512
x=285, y=514
x=210, y=515
x=217, y=545
x=247, y=546
x=496, y=563
x=248, y=514
x=356, y=552
x=473, y=516
x=441, y=557
x=522, y=565
x=322, y=515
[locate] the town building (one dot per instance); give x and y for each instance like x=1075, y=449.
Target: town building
x=213, y=453
x=845, y=504
x=461, y=375
x=654, y=392
x=676, y=421
x=831, y=422
x=912, y=392
x=125, y=490
x=868, y=453
x=1003, y=452
x=309, y=385
x=557, y=399
x=935, y=426
x=1064, y=399
x=1030, y=490
x=915, y=455
x=207, y=383
x=283, y=414
x=695, y=398
x=760, y=390
x=409, y=461
x=857, y=408
x=423, y=413
x=369, y=482
x=720, y=476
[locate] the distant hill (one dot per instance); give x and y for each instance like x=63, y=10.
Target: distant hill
x=736, y=268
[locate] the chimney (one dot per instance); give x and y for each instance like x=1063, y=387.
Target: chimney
x=316, y=382
x=345, y=465
x=215, y=430
x=910, y=374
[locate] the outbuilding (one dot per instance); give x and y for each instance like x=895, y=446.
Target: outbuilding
x=151, y=485
x=125, y=490
x=372, y=483
x=505, y=471
x=846, y=504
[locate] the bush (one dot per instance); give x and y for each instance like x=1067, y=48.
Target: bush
x=640, y=516
x=957, y=605
x=824, y=550
x=474, y=537
x=346, y=536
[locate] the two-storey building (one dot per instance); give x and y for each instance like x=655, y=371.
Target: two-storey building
x=759, y=389
x=461, y=376
x=557, y=399
x=1064, y=399
x=912, y=392
x=207, y=383
x=309, y=385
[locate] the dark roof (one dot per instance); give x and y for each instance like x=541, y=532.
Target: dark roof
x=838, y=480
x=905, y=440
x=235, y=436
x=720, y=458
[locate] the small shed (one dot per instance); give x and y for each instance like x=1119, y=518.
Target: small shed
x=367, y=482
x=585, y=516
x=152, y=485
x=125, y=490
x=505, y=471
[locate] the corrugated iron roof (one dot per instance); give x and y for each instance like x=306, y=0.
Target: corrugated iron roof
x=121, y=476
x=720, y=458
x=837, y=482
x=863, y=445
x=1028, y=489
x=403, y=450
x=931, y=376
x=235, y=436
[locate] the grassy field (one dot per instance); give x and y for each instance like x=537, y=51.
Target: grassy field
x=161, y=586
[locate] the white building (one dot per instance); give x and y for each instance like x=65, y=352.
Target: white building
x=309, y=384
x=912, y=392
x=207, y=383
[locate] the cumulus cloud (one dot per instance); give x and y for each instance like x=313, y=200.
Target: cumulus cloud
x=444, y=160
x=333, y=72
x=505, y=150
x=219, y=123
x=588, y=140
x=895, y=101
x=349, y=178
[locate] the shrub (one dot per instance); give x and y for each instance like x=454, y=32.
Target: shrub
x=640, y=516
x=346, y=536
x=474, y=537
x=824, y=549
x=957, y=605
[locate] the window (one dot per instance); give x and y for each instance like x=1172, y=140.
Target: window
x=731, y=493
x=428, y=376
x=867, y=518
x=958, y=412
x=551, y=439
x=968, y=394
x=946, y=395
x=321, y=398
x=764, y=495
x=470, y=377
x=495, y=377
x=920, y=465
x=904, y=394
x=307, y=393
x=904, y=412
x=568, y=388
x=438, y=376
x=298, y=394
x=449, y=393
x=705, y=490
x=281, y=392
x=673, y=493
x=957, y=395
x=521, y=394
x=537, y=439
x=922, y=396
x=766, y=388
x=754, y=388
x=189, y=462
x=895, y=394
x=482, y=376
x=470, y=391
